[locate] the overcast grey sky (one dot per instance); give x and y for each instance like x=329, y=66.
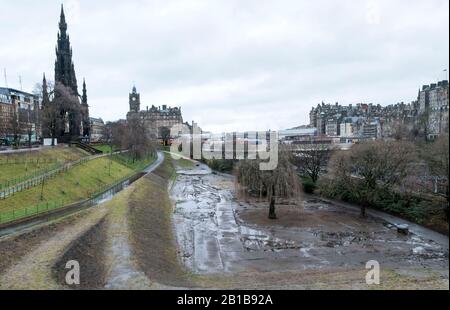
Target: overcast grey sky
x=233, y=64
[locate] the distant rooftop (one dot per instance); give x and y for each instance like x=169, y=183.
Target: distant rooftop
x=12, y=91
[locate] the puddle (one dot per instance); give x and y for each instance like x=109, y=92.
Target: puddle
x=256, y=240
x=215, y=235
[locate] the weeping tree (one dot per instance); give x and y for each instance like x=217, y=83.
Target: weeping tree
x=281, y=182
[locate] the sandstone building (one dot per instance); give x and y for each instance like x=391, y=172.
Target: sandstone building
x=158, y=120
x=19, y=115
x=427, y=116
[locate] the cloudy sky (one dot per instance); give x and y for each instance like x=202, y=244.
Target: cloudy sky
x=233, y=64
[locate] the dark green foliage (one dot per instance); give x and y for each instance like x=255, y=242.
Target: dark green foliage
x=308, y=185
x=413, y=208
x=221, y=165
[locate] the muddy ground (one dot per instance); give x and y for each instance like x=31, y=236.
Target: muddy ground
x=32, y=255
x=89, y=251
x=14, y=247
x=219, y=235
x=191, y=232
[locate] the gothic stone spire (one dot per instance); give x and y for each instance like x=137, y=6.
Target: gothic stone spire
x=62, y=22
x=84, y=96
x=85, y=112
x=64, y=68
x=45, y=97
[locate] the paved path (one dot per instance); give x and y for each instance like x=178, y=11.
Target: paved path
x=25, y=150
x=156, y=164
x=419, y=230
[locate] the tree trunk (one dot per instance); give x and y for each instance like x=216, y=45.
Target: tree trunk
x=363, y=210
x=272, y=214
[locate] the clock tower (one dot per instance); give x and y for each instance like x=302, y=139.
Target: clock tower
x=135, y=101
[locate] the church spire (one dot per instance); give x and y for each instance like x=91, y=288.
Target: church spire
x=64, y=68
x=45, y=97
x=62, y=22
x=84, y=96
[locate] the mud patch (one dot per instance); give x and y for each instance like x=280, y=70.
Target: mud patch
x=217, y=235
x=12, y=248
x=89, y=251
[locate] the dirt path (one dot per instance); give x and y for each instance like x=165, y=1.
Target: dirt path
x=421, y=231
x=123, y=272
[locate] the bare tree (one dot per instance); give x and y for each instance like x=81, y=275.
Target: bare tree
x=51, y=123
x=424, y=124
x=437, y=158
x=38, y=89
x=370, y=166
x=400, y=131
x=107, y=133
x=139, y=141
x=56, y=112
x=27, y=121
x=14, y=126
x=132, y=136
x=118, y=135
x=311, y=159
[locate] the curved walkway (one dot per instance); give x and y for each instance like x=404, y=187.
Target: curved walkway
x=419, y=230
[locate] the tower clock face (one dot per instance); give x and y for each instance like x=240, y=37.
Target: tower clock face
x=134, y=99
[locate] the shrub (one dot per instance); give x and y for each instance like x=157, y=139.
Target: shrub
x=308, y=185
x=221, y=165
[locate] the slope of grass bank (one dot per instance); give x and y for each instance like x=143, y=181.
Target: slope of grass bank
x=142, y=214
x=19, y=165
x=104, y=148
x=75, y=185
x=152, y=236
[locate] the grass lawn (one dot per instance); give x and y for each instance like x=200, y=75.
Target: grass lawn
x=134, y=165
x=104, y=148
x=75, y=185
x=184, y=163
x=14, y=166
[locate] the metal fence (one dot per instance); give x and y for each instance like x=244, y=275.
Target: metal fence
x=9, y=216
x=24, y=178
x=22, y=213
x=25, y=212
x=23, y=161
x=36, y=180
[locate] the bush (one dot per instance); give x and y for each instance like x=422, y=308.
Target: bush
x=221, y=165
x=308, y=185
x=410, y=207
